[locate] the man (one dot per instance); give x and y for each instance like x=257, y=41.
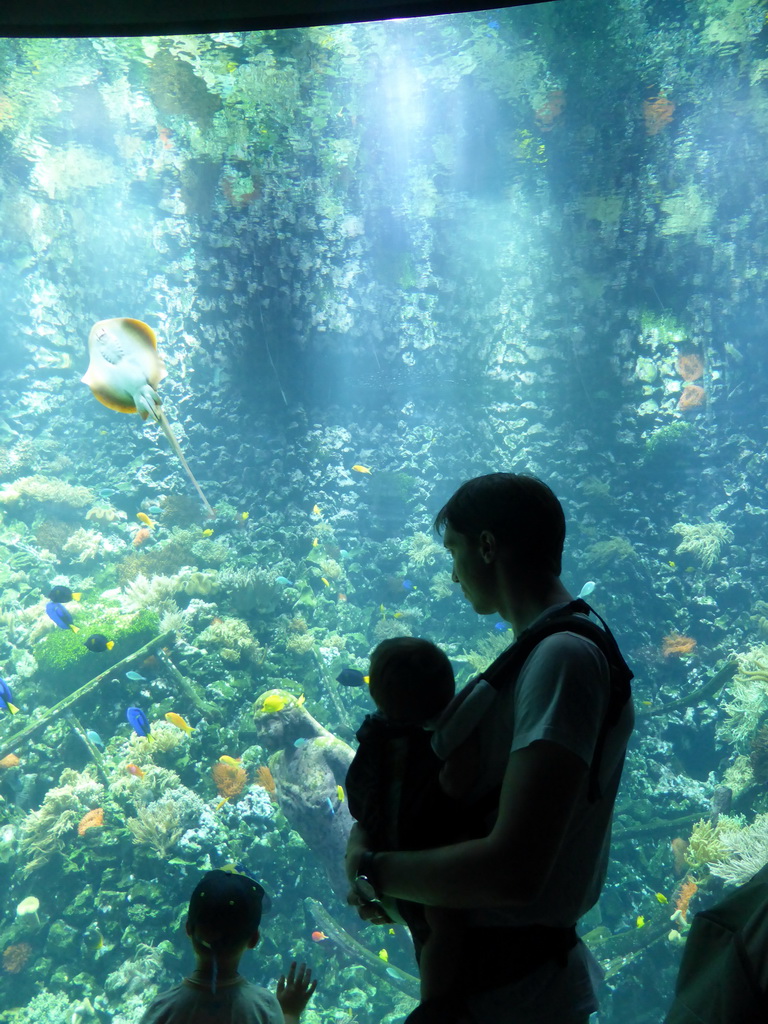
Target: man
x=540, y=736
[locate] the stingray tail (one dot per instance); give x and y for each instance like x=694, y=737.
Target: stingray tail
x=159, y=415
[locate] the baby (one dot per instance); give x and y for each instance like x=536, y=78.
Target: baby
x=394, y=792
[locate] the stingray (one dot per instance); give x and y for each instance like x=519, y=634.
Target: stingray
x=124, y=371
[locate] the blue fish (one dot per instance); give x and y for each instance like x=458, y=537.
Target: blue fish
x=284, y=581
x=501, y=626
x=300, y=742
x=351, y=677
x=138, y=720
x=61, y=616
x=135, y=677
x=407, y=585
x=95, y=739
x=330, y=805
x=6, y=698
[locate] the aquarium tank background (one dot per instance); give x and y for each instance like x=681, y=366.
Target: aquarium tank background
x=377, y=259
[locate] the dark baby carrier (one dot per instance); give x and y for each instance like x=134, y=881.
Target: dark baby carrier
x=508, y=954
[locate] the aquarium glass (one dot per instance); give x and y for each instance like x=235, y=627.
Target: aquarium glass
x=376, y=260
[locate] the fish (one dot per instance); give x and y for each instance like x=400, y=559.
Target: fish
x=640, y=922
x=226, y=759
x=123, y=372
x=325, y=581
x=245, y=515
x=661, y=898
x=284, y=581
x=92, y=940
x=330, y=806
x=144, y=518
x=138, y=720
x=360, y=469
x=319, y=936
x=208, y=533
x=315, y=542
x=407, y=585
x=178, y=721
x=501, y=627
x=273, y=702
x=135, y=677
x=316, y=511
x=95, y=739
x=98, y=643
x=586, y=590
x=62, y=594
x=340, y=794
x=6, y=698
x=384, y=955
x=62, y=616
x=352, y=677
x=300, y=742
x=135, y=770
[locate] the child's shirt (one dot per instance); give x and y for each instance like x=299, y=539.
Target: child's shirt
x=237, y=1001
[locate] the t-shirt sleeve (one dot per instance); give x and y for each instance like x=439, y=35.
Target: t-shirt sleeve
x=562, y=695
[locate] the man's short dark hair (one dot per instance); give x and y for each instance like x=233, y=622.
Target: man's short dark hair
x=519, y=510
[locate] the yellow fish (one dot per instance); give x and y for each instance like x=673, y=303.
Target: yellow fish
x=178, y=721
x=144, y=518
x=273, y=702
x=384, y=955
x=661, y=898
x=315, y=542
x=208, y=533
x=325, y=581
x=245, y=515
x=316, y=510
x=300, y=700
x=360, y=469
x=671, y=565
x=340, y=794
x=234, y=761
x=640, y=922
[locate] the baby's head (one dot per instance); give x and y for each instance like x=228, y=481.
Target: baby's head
x=224, y=917
x=411, y=680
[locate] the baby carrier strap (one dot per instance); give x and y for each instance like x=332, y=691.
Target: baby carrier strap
x=570, y=618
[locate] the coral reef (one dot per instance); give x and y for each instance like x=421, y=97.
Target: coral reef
x=422, y=549
x=161, y=823
x=37, y=490
x=703, y=540
x=747, y=852
x=43, y=832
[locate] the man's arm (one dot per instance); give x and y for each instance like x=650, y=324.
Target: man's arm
x=511, y=865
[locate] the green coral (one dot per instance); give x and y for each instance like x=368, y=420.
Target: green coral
x=63, y=654
x=608, y=552
x=666, y=439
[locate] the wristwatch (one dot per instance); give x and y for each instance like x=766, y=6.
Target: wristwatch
x=364, y=884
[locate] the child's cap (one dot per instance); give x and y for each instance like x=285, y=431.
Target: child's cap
x=228, y=902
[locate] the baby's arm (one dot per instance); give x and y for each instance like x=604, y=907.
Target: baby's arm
x=294, y=992
x=440, y=962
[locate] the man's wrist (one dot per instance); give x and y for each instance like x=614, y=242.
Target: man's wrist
x=366, y=868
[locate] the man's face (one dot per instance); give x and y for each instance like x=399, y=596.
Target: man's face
x=473, y=568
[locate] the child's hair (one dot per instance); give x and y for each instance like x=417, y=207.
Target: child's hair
x=411, y=679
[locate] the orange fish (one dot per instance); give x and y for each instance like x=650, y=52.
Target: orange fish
x=319, y=936
x=135, y=770
x=178, y=721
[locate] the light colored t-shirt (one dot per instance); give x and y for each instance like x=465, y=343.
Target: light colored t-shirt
x=561, y=695
x=236, y=1002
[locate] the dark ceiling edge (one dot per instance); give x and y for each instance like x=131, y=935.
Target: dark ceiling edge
x=83, y=18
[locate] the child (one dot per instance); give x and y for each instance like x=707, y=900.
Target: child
x=394, y=792
x=222, y=922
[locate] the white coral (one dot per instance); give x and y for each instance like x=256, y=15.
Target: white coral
x=747, y=852
x=149, y=593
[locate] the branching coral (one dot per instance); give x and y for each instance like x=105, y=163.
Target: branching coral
x=250, y=591
x=749, y=695
x=230, y=634
x=84, y=545
x=608, y=552
x=703, y=540
x=149, y=593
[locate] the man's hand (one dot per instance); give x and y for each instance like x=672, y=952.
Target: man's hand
x=357, y=844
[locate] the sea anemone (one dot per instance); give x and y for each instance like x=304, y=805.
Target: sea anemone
x=677, y=644
x=690, y=365
x=691, y=397
x=15, y=957
x=230, y=779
